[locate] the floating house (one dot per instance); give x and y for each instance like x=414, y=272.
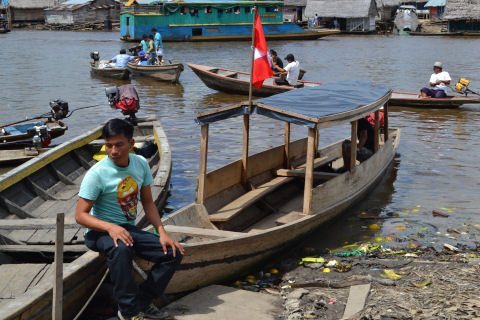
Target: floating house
x=419, y=5
x=294, y=10
x=462, y=15
x=29, y=11
x=208, y=20
x=436, y=7
x=352, y=16
x=387, y=9
x=80, y=11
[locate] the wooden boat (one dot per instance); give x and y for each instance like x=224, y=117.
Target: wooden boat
x=250, y=209
x=13, y=157
x=115, y=73
x=168, y=72
x=407, y=99
x=32, y=194
x=17, y=135
x=238, y=82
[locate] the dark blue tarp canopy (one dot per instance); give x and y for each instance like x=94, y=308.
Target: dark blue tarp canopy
x=338, y=102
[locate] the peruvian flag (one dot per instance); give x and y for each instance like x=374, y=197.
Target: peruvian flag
x=261, y=66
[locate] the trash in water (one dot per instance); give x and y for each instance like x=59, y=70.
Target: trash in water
x=437, y=213
x=423, y=284
x=373, y=226
x=343, y=267
x=400, y=228
x=326, y=270
x=378, y=239
x=274, y=271
x=450, y=247
x=332, y=301
x=349, y=254
x=310, y=260
x=332, y=263
x=388, y=273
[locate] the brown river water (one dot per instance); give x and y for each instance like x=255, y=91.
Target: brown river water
x=437, y=166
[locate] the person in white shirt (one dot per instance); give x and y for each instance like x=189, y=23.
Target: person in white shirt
x=289, y=74
x=439, y=80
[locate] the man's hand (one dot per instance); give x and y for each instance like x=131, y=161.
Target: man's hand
x=120, y=233
x=167, y=241
x=438, y=82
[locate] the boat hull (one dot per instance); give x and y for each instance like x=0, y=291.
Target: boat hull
x=114, y=73
x=19, y=136
x=414, y=100
x=169, y=73
x=224, y=259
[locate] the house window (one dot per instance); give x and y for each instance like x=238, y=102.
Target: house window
x=236, y=10
x=270, y=9
x=183, y=10
x=208, y=10
x=247, y=10
x=228, y=11
x=194, y=12
x=196, y=31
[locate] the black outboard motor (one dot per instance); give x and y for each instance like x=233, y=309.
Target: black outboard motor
x=95, y=55
x=59, y=109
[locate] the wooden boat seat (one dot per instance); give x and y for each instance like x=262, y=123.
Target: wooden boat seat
x=101, y=142
x=202, y=232
x=231, y=75
x=289, y=217
x=238, y=205
x=301, y=174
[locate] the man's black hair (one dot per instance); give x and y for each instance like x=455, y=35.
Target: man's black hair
x=123, y=51
x=154, y=30
x=115, y=127
x=273, y=52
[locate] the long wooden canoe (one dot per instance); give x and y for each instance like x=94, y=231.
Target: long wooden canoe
x=247, y=211
x=30, y=197
x=17, y=135
x=415, y=100
x=115, y=73
x=238, y=82
x=168, y=72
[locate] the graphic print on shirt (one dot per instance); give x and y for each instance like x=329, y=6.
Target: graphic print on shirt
x=127, y=197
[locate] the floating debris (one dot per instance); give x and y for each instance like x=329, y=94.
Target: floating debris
x=423, y=284
x=373, y=226
x=437, y=213
x=390, y=274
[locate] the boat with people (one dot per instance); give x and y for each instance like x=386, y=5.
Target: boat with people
x=109, y=71
x=163, y=72
x=237, y=82
x=211, y=20
x=254, y=207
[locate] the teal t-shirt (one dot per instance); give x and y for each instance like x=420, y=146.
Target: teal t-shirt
x=156, y=39
x=144, y=45
x=116, y=190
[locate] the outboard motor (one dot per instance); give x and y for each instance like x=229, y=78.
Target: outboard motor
x=41, y=137
x=59, y=109
x=95, y=55
x=124, y=98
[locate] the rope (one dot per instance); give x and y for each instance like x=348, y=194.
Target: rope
x=91, y=297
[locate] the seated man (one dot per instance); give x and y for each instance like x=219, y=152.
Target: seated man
x=121, y=60
x=365, y=146
x=438, y=81
x=107, y=206
x=276, y=62
x=289, y=75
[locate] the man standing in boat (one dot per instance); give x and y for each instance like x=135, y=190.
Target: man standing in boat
x=158, y=44
x=107, y=206
x=289, y=75
x=439, y=80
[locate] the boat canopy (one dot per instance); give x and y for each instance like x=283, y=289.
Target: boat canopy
x=322, y=106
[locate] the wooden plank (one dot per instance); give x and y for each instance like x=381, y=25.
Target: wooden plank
x=101, y=142
x=201, y=232
x=17, y=278
x=246, y=138
x=289, y=217
x=202, y=166
x=22, y=224
x=385, y=122
x=265, y=161
x=307, y=193
x=301, y=174
x=353, y=146
x=223, y=178
x=236, y=206
x=41, y=248
x=356, y=300
x=58, y=271
x=377, y=131
x=287, y=146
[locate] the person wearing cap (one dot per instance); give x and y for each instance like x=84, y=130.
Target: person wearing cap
x=122, y=59
x=289, y=74
x=439, y=80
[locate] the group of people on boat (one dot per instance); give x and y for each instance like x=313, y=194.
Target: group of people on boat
x=148, y=52
x=288, y=75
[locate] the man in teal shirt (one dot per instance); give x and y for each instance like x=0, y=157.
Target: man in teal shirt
x=158, y=44
x=144, y=43
x=107, y=206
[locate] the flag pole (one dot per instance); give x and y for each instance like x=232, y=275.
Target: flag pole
x=252, y=58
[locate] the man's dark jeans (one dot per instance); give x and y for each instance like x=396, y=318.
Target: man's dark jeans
x=434, y=93
x=132, y=298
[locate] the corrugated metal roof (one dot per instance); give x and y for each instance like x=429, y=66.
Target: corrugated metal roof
x=388, y=3
x=31, y=4
x=297, y=3
x=436, y=3
x=72, y=5
x=341, y=8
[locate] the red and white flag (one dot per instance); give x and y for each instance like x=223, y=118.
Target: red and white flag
x=261, y=66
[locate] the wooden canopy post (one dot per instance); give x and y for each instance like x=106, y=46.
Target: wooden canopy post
x=286, y=153
x=202, y=167
x=246, y=134
x=57, y=308
x=353, y=145
x=316, y=144
x=385, y=122
x=307, y=195
x=377, y=131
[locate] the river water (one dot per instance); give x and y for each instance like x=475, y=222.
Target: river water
x=437, y=165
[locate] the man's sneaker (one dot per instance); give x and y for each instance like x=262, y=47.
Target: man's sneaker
x=153, y=313
x=137, y=317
